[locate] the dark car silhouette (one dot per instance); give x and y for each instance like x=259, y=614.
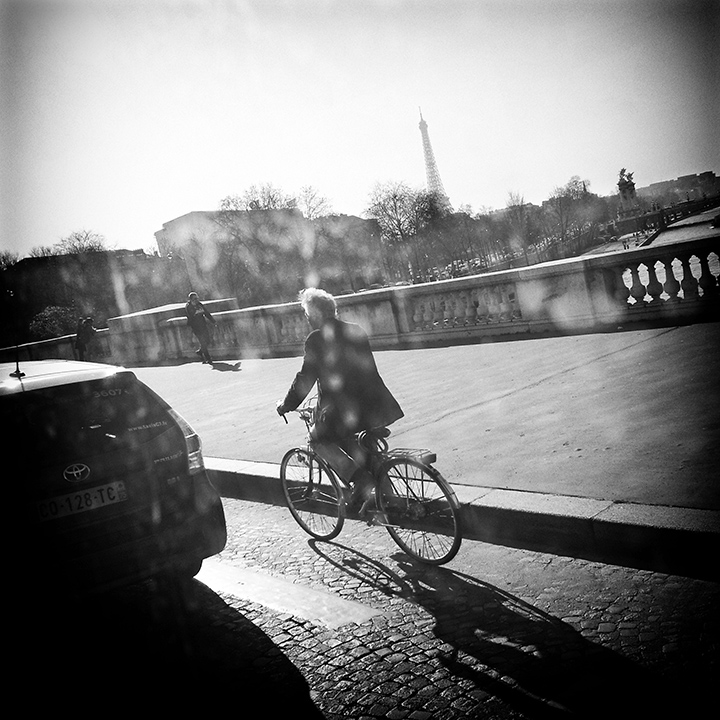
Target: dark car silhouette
x=109, y=485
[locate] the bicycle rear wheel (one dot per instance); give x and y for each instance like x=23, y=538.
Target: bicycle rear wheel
x=313, y=493
x=421, y=509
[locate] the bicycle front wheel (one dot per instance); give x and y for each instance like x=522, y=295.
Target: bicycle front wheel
x=313, y=493
x=421, y=510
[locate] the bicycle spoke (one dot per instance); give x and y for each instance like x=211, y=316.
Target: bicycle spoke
x=312, y=494
x=421, y=510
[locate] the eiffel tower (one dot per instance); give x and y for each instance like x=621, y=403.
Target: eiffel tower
x=434, y=183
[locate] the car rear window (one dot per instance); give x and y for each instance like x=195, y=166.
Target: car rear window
x=92, y=417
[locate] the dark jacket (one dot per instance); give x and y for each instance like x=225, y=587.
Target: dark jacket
x=351, y=394
x=197, y=317
x=85, y=333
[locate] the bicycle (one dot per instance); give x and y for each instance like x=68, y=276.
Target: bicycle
x=412, y=500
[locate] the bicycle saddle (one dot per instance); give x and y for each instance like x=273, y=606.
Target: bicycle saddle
x=373, y=439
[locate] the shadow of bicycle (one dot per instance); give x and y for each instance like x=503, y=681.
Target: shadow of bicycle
x=536, y=663
x=154, y=647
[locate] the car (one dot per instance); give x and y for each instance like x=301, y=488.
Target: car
x=109, y=484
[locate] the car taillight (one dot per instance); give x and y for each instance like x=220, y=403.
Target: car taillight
x=196, y=463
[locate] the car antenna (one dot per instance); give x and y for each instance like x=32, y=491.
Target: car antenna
x=18, y=372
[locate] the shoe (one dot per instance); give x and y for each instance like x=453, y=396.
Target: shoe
x=365, y=509
x=361, y=496
x=377, y=517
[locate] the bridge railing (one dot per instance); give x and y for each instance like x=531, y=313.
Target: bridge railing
x=662, y=285
x=62, y=348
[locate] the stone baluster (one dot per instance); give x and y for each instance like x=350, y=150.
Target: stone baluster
x=288, y=328
x=482, y=311
x=493, y=306
x=654, y=287
x=707, y=281
x=299, y=329
x=505, y=309
x=470, y=309
x=637, y=289
x=445, y=311
x=439, y=311
x=459, y=310
x=428, y=315
x=671, y=284
x=688, y=284
x=516, y=313
x=281, y=329
x=449, y=313
x=418, y=312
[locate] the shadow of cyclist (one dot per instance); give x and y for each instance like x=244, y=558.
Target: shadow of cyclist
x=362, y=567
x=507, y=648
x=534, y=661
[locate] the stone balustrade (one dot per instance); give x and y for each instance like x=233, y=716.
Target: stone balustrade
x=663, y=284
x=671, y=275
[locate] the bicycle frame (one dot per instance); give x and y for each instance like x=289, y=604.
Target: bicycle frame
x=411, y=499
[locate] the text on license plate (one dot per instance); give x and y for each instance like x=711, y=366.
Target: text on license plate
x=82, y=501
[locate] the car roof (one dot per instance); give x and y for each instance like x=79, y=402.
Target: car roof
x=40, y=374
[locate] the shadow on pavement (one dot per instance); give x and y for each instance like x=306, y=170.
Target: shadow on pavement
x=534, y=662
x=225, y=366
x=537, y=663
x=154, y=647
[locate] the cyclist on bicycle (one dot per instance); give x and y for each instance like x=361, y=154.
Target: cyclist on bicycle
x=352, y=396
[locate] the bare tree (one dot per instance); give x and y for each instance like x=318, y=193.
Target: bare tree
x=82, y=241
x=574, y=215
x=7, y=259
x=259, y=197
x=393, y=206
x=519, y=221
x=416, y=227
x=43, y=251
x=563, y=205
x=312, y=204
x=78, y=241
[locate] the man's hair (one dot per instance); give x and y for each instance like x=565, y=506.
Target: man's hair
x=322, y=301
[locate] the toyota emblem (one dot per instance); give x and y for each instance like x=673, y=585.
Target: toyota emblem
x=77, y=472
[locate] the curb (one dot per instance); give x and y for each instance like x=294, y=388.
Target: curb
x=677, y=541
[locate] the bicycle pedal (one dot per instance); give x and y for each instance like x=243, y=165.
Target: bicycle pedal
x=377, y=519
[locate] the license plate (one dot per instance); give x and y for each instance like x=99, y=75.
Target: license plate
x=82, y=501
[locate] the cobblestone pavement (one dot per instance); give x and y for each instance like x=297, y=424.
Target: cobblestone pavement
x=497, y=633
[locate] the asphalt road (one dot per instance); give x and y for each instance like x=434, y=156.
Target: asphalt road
x=627, y=417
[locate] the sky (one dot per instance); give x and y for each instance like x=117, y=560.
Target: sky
x=117, y=116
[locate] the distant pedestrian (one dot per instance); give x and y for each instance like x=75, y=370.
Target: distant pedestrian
x=199, y=320
x=83, y=337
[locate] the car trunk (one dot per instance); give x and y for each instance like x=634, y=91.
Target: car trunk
x=104, y=473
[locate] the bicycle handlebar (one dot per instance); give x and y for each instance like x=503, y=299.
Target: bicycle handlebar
x=306, y=413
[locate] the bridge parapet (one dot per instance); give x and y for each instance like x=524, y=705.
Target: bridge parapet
x=664, y=284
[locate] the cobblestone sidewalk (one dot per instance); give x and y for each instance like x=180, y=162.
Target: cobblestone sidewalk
x=498, y=633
